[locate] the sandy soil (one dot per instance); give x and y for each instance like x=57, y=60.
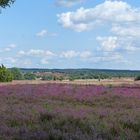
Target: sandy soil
x=115, y=81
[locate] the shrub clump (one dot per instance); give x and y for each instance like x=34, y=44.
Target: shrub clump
x=137, y=78
x=5, y=74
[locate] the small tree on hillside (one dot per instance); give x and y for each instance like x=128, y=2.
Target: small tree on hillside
x=5, y=74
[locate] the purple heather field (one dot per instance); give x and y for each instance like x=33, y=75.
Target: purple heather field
x=69, y=112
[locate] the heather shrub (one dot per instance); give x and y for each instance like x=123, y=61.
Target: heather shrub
x=46, y=116
x=69, y=112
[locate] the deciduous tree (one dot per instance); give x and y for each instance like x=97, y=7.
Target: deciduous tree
x=5, y=74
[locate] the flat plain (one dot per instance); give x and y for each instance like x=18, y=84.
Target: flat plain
x=77, y=110
x=113, y=81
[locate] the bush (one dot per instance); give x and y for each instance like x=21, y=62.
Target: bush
x=29, y=76
x=137, y=78
x=5, y=74
x=48, y=78
x=61, y=78
x=71, y=78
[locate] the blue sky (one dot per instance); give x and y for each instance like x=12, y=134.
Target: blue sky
x=102, y=34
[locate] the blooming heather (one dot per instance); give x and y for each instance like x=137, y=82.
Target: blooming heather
x=66, y=111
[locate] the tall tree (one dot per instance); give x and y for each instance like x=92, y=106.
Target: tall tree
x=5, y=3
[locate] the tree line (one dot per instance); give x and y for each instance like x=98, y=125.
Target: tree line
x=7, y=75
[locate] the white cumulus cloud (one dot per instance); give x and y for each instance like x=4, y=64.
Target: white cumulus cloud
x=69, y=54
x=110, y=11
x=68, y=3
x=108, y=43
x=44, y=33
x=10, y=47
x=36, y=53
x=73, y=54
x=127, y=30
x=44, y=61
x=117, y=43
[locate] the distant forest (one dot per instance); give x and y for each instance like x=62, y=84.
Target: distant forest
x=86, y=73
x=9, y=74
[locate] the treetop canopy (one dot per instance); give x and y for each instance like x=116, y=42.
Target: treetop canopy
x=5, y=3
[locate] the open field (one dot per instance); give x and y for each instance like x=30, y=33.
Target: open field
x=113, y=81
x=54, y=111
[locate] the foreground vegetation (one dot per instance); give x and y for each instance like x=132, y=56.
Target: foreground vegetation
x=69, y=112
